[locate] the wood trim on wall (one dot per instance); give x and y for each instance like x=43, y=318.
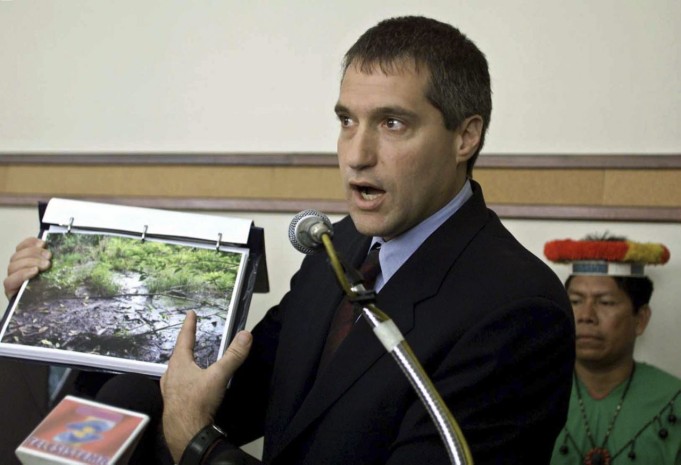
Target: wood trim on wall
x=556, y=161
x=563, y=187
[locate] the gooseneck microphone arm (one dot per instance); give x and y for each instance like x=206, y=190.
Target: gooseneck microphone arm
x=311, y=230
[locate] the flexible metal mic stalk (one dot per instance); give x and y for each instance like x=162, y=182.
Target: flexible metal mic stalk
x=308, y=232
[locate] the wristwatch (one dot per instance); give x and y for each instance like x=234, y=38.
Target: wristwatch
x=201, y=444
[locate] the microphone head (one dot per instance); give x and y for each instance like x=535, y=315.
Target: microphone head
x=306, y=230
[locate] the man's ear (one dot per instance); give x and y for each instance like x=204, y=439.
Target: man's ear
x=468, y=137
x=642, y=319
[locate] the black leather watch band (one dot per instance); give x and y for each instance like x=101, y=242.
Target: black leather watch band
x=200, y=444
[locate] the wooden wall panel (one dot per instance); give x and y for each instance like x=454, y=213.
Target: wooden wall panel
x=607, y=187
x=542, y=186
x=173, y=181
x=661, y=188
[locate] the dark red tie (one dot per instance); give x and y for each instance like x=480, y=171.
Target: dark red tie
x=344, y=318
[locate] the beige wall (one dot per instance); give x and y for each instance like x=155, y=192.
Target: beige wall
x=568, y=77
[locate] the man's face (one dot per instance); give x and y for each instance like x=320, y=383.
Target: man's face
x=606, y=324
x=398, y=161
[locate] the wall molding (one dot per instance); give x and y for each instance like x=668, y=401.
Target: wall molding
x=557, y=161
x=599, y=187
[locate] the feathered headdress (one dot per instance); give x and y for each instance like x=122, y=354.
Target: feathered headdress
x=613, y=256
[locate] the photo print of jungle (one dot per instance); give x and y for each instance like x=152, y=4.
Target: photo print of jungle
x=126, y=298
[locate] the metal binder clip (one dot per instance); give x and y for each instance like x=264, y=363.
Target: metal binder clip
x=144, y=233
x=217, y=244
x=69, y=226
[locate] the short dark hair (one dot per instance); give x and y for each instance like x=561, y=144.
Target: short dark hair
x=459, y=84
x=638, y=289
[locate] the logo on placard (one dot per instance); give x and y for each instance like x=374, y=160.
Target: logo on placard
x=85, y=431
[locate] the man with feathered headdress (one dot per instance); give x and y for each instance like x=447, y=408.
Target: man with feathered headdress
x=621, y=411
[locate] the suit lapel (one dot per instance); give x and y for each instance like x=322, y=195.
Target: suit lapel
x=297, y=359
x=418, y=279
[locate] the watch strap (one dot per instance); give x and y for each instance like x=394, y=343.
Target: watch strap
x=200, y=444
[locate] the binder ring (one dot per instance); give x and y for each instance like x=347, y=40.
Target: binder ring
x=217, y=244
x=144, y=233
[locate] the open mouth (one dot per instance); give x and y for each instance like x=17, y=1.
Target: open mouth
x=369, y=193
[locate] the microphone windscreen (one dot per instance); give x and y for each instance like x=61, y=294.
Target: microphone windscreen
x=305, y=229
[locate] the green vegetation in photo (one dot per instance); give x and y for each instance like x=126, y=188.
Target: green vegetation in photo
x=169, y=267
x=91, y=260
x=74, y=263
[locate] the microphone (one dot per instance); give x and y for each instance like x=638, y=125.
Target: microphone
x=306, y=230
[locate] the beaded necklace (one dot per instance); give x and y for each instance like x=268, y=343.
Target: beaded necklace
x=662, y=432
x=600, y=455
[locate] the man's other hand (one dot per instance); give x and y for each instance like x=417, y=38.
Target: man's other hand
x=191, y=394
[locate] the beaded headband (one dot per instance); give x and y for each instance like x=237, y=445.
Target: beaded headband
x=603, y=257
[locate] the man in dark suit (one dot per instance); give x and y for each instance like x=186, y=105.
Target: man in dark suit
x=489, y=321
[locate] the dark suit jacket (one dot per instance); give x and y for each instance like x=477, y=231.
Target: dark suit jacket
x=23, y=402
x=488, y=320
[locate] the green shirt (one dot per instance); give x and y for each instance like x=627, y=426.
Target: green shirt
x=650, y=405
